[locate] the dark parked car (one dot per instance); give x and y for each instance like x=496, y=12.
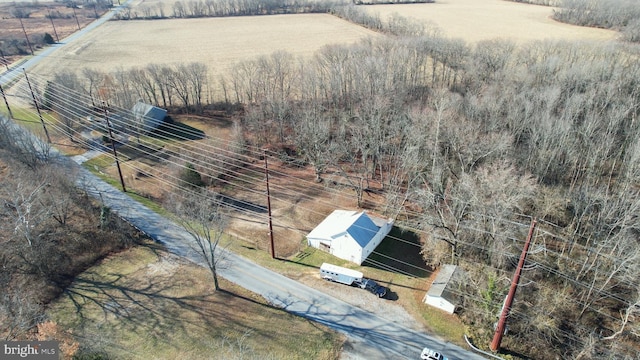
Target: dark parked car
x=373, y=287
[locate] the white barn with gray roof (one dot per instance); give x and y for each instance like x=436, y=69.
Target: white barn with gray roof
x=349, y=235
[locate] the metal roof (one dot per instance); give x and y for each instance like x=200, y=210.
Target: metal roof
x=152, y=115
x=442, y=280
x=357, y=224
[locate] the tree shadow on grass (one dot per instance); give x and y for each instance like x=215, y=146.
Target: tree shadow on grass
x=135, y=151
x=400, y=252
x=144, y=305
x=157, y=307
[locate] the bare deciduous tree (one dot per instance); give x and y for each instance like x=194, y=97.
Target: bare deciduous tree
x=19, y=313
x=200, y=214
x=24, y=146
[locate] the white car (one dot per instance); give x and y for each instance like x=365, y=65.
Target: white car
x=428, y=354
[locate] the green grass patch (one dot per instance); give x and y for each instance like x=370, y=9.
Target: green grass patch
x=149, y=203
x=445, y=325
x=400, y=250
x=98, y=164
x=142, y=304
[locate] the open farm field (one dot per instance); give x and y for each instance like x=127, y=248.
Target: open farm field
x=477, y=20
x=216, y=42
x=221, y=42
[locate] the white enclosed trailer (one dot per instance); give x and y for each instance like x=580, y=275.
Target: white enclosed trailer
x=339, y=274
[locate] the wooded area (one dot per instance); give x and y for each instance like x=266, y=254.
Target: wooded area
x=621, y=15
x=221, y=8
x=50, y=231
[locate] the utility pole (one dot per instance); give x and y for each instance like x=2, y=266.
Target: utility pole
x=25, y=35
x=6, y=102
x=76, y=15
x=497, y=337
x=113, y=147
x=54, y=27
x=266, y=174
x=35, y=102
x=5, y=61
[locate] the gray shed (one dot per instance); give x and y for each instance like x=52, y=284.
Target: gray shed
x=147, y=117
x=443, y=292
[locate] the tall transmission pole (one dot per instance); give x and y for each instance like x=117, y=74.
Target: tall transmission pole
x=266, y=174
x=497, y=337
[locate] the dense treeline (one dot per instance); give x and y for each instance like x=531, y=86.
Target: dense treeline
x=541, y=2
x=183, y=87
x=395, y=24
x=219, y=8
x=620, y=15
x=50, y=230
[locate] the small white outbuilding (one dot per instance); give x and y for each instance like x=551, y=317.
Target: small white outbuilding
x=349, y=235
x=442, y=292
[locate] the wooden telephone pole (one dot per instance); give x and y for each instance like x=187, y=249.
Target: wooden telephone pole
x=113, y=147
x=6, y=102
x=266, y=174
x=497, y=337
x=54, y=27
x=25, y=35
x=35, y=103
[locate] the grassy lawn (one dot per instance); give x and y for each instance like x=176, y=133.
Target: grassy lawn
x=145, y=304
x=30, y=119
